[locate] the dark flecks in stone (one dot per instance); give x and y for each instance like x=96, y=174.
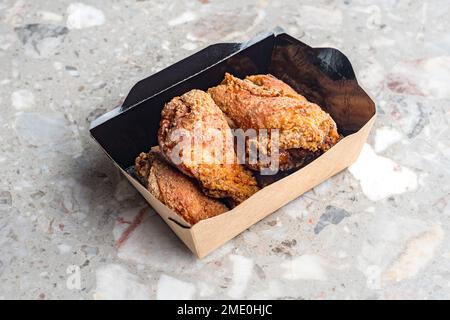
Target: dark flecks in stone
x=282, y=250
x=272, y=223
x=36, y=32
x=420, y=124
x=332, y=215
x=285, y=247
x=37, y=195
x=89, y=251
x=289, y=243
x=277, y=249
x=5, y=199
x=94, y=114
x=12, y=235
x=260, y=272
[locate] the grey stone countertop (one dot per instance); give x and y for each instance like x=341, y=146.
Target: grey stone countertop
x=72, y=227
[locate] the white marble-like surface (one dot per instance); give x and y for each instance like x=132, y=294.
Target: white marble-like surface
x=71, y=227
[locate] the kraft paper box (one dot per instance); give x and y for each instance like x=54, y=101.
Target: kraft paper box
x=323, y=75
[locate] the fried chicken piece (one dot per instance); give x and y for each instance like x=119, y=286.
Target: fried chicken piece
x=195, y=137
x=265, y=102
x=174, y=189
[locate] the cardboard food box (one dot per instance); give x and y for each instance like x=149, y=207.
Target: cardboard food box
x=323, y=75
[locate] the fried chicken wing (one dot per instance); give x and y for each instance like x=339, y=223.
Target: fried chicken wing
x=195, y=136
x=265, y=102
x=177, y=191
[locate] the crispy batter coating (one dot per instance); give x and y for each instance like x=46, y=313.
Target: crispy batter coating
x=265, y=102
x=209, y=154
x=177, y=191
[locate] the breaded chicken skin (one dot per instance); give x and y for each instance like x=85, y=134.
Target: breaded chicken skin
x=175, y=190
x=209, y=155
x=265, y=102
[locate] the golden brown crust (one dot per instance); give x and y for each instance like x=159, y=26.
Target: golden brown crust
x=213, y=162
x=175, y=190
x=265, y=102
x=273, y=86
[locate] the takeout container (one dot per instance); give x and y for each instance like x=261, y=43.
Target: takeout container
x=323, y=75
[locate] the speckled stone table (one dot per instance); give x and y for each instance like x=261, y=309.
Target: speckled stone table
x=72, y=227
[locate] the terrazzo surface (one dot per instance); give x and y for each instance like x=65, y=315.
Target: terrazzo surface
x=379, y=230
